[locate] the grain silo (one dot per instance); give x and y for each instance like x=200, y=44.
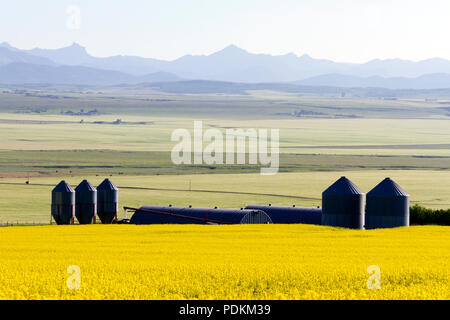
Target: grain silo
x=85, y=203
x=343, y=205
x=387, y=206
x=63, y=203
x=107, y=202
x=190, y=215
x=292, y=214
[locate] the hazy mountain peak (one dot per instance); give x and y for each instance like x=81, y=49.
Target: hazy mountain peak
x=231, y=49
x=5, y=44
x=306, y=57
x=75, y=47
x=74, y=54
x=8, y=46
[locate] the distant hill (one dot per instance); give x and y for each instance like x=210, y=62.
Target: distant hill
x=25, y=73
x=222, y=87
x=8, y=56
x=428, y=81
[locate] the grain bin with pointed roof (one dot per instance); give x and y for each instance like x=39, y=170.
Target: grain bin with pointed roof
x=343, y=205
x=107, y=202
x=387, y=206
x=85, y=202
x=63, y=203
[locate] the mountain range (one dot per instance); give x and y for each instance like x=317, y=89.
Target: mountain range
x=74, y=65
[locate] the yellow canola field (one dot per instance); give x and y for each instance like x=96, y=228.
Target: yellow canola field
x=222, y=262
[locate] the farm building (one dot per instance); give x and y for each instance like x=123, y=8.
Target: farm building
x=85, y=202
x=107, y=202
x=63, y=203
x=343, y=205
x=290, y=214
x=387, y=206
x=189, y=215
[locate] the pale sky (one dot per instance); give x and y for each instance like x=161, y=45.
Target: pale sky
x=341, y=30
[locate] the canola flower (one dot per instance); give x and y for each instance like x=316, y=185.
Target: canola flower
x=223, y=262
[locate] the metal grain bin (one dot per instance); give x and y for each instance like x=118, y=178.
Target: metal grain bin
x=85, y=203
x=182, y=215
x=343, y=205
x=292, y=214
x=63, y=203
x=387, y=206
x=107, y=202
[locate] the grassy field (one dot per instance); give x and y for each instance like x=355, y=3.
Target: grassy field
x=407, y=139
x=31, y=203
x=223, y=262
x=66, y=163
x=300, y=136
x=252, y=105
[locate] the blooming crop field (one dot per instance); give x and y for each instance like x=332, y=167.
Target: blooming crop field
x=222, y=262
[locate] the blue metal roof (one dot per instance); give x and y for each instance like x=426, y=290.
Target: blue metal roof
x=85, y=186
x=107, y=185
x=229, y=216
x=63, y=186
x=388, y=188
x=342, y=186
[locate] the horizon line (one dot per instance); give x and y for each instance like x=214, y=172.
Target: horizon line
x=8, y=44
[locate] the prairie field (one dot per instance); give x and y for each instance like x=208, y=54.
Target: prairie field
x=223, y=262
x=39, y=144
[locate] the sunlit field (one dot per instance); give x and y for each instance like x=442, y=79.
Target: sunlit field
x=427, y=137
x=223, y=262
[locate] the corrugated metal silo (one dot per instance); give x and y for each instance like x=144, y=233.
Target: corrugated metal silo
x=387, y=206
x=292, y=214
x=190, y=215
x=107, y=202
x=85, y=202
x=63, y=203
x=343, y=205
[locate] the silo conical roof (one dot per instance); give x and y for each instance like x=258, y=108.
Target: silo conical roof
x=107, y=185
x=85, y=186
x=388, y=188
x=342, y=186
x=63, y=186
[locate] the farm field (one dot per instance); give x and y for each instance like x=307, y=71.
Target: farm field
x=31, y=203
x=39, y=143
x=223, y=262
x=418, y=137
x=249, y=105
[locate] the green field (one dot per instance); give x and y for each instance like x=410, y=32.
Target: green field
x=365, y=139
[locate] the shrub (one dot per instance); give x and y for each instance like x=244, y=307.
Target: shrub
x=420, y=216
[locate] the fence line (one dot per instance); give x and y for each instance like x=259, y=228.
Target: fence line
x=18, y=223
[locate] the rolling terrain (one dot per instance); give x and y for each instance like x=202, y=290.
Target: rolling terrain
x=47, y=136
